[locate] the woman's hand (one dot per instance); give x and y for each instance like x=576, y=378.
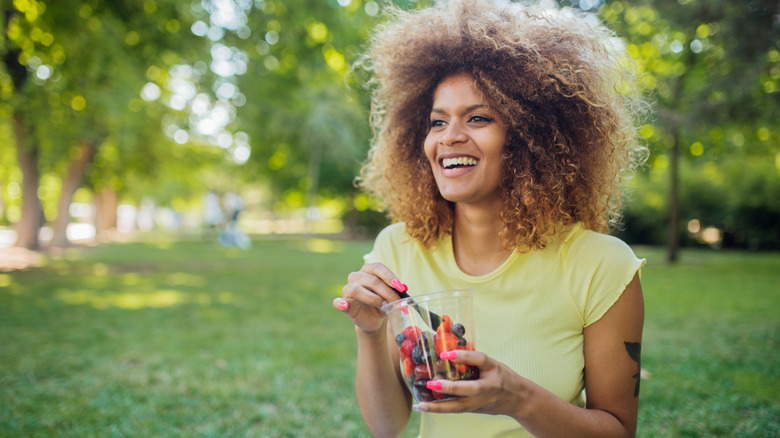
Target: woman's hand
x=365, y=293
x=498, y=391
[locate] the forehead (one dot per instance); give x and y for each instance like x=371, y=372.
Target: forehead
x=459, y=88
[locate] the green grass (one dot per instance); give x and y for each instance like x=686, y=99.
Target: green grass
x=170, y=337
x=712, y=345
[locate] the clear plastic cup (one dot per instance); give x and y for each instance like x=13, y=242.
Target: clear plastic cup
x=427, y=325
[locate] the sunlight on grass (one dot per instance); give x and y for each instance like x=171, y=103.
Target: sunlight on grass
x=5, y=280
x=100, y=269
x=336, y=290
x=131, y=279
x=323, y=246
x=124, y=300
x=225, y=297
x=185, y=279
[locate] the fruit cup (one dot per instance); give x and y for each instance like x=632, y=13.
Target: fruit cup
x=427, y=325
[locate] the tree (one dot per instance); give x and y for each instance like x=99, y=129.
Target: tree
x=77, y=68
x=713, y=67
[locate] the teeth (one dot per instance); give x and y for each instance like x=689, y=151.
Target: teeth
x=459, y=161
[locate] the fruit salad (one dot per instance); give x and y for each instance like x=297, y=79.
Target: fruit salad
x=420, y=359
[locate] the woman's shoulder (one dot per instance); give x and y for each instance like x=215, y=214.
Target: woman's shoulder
x=393, y=231
x=582, y=243
x=393, y=237
x=391, y=243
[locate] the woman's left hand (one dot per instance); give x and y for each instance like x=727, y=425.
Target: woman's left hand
x=498, y=391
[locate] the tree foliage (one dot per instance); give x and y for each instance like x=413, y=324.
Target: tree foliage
x=713, y=68
x=170, y=98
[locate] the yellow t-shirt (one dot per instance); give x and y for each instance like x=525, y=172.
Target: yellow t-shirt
x=529, y=313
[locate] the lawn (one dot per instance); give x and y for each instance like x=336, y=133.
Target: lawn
x=177, y=337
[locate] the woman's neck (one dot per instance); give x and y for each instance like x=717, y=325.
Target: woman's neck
x=475, y=239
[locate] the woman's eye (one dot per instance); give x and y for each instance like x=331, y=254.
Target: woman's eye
x=436, y=123
x=480, y=119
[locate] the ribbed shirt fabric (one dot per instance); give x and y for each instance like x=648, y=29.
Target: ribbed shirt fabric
x=529, y=313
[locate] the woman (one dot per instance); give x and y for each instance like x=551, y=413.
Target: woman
x=499, y=143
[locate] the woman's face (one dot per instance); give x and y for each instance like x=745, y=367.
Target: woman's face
x=465, y=143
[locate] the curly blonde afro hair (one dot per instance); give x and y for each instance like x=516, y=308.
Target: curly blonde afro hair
x=565, y=92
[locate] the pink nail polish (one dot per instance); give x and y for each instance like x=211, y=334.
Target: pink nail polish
x=397, y=285
x=433, y=385
x=448, y=355
x=343, y=305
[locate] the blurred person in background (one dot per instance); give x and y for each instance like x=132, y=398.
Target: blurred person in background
x=212, y=215
x=231, y=235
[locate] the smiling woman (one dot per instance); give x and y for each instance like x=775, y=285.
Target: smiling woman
x=499, y=143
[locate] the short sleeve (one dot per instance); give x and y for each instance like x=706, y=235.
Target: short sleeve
x=600, y=267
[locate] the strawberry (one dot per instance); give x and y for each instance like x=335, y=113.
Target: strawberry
x=412, y=332
x=445, y=326
x=406, y=348
x=408, y=367
x=445, y=342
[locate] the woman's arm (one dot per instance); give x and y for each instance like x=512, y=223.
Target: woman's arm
x=611, y=382
x=384, y=402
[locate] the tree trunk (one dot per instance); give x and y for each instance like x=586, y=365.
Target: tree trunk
x=677, y=122
x=674, y=198
x=70, y=184
x=32, y=213
x=106, y=203
x=3, y=215
x=313, y=174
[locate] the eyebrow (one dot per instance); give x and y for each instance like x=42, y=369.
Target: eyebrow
x=468, y=109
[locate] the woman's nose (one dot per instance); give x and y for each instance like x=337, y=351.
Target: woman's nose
x=452, y=135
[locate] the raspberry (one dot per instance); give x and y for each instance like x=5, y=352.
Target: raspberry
x=406, y=348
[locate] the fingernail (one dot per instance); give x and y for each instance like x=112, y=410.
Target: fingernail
x=448, y=355
x=397, y=285
x=420, y=407
x=343, y=305
x=433, y=385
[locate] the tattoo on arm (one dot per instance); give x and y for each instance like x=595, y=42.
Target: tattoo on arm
x=634, y=350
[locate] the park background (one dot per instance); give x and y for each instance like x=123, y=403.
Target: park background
x=121, y=314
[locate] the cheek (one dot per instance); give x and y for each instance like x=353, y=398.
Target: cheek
x=429, y=147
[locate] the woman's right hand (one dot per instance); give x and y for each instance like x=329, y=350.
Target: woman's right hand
x=365, y=293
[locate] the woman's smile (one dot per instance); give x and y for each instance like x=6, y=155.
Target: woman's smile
x=454, y=164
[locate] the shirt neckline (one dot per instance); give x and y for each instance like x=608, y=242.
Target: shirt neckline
x=446, y=242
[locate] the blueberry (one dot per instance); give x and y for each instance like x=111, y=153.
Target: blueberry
x=418, y=356
x=421, y=383
x=421, y=392
x=400, y=339
x=462, y=342
x=458, y=330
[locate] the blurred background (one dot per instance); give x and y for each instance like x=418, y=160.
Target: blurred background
x=129, y=115
x=177, y=212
